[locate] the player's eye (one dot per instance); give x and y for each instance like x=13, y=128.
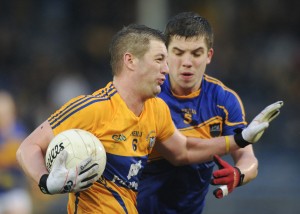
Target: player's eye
x=178, y=53
x=197, y=54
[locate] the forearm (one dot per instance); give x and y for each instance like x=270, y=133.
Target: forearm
x=30, y=154
x=182, y=150
x=202, y=150
x=32, y=162
x=246, y=161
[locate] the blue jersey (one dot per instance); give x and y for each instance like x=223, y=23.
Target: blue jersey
x=214, y=110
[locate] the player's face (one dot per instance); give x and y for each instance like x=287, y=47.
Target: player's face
x=187, y=60
x=152, y=69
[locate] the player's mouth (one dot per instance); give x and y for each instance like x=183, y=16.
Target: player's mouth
x=186, y=75
x=161, y=81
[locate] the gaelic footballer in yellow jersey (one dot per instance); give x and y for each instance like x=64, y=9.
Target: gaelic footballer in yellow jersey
x=104, y=114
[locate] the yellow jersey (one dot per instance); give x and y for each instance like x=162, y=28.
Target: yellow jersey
x=128, y=140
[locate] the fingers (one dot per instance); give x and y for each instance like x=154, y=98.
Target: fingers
x=273, y=107
x=86, y=168
x=221, y=192
x=220, y=181
x=270, y=112
x=221, y=176
x=87, y=182
x=86, y=187
x=88, y=176
x=218, y=193
x=220, y=162
x=83, y=165
x=89, y=171
x=269, y=115
x=274, y=115
x=279, y=103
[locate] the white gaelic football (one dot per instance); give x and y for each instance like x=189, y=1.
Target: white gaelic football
x=79, y=144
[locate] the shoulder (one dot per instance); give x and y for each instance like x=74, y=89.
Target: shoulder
x=84, y=108
x=107, y=92
x=83, y=101
x=217, y=87
x=214, y=82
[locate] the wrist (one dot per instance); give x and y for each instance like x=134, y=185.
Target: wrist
x=239, y=140
x=241, y=177
x=43, y=184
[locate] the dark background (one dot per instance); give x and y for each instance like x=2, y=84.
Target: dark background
x=51, y=50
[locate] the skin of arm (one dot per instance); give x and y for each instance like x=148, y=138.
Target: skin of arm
x=178, y=149
x=31, y=152
x=181, y=150
x=246, y=161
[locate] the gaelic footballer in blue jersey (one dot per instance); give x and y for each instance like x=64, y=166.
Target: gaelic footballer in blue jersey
x=201, y=106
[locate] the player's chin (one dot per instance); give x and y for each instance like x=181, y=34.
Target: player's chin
x=157, y=90
x=154, y=93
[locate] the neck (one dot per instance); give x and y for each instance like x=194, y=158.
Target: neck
x=177, y=90
x=184, y=91
x=129, y=96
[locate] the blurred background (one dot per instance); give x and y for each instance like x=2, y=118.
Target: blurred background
x=52, y=50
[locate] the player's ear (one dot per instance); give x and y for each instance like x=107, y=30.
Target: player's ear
x=129, y=60
x=210, y=54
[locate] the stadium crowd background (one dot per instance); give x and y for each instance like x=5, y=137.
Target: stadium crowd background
x=51, y=50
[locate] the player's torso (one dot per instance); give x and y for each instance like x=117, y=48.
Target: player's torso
x=197, y=115
x=203, y=114
x=127, y=138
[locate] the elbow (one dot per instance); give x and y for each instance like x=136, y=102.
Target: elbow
x=255, y=170
x=255, y=173
x=252, y=174
x=19, y=155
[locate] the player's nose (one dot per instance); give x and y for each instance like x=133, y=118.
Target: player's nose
x=165, y=68
x=187, y=61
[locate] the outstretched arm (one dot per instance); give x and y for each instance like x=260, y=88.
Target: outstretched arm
x=181, y=150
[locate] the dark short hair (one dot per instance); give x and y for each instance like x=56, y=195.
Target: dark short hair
x=189, y=24
x=133, y=38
